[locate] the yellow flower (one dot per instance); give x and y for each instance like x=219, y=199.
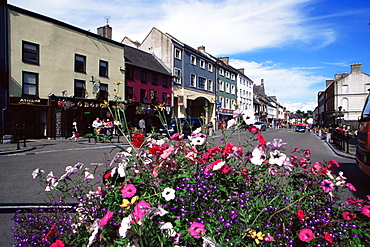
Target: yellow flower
x=159, y=107
x=104, y=104
x=256, y=236
x=127, y=204
x=117, y=83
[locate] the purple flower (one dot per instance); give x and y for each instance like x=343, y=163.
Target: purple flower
x=327, y=185
x=276, y=144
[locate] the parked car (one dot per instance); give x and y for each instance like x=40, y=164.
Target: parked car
x=260, y=125
x=300, y=128
x=180, y=125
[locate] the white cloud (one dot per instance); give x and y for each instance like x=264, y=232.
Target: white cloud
x=289, y=85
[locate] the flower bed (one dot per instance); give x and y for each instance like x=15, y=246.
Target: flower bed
x=189, y=192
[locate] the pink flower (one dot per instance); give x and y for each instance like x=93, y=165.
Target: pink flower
x=128, y=191
x=140, y=210
x=197, y=229
x=305, y=235
x=350, y=186
x=58, y=243
x=167, y=152
x=366, y=210
x=328, y=237
x=300, y=214
x=226, y=168
x=348, y=216
x=333, y=163
x=269, y=238
x=327, y=185
x=307, y=153
x=261, y=140
x=106, y=218
x=368, y=197
x=352, y=201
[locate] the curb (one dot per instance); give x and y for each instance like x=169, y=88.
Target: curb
x=17, y=151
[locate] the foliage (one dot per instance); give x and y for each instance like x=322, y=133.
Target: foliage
x=193, y=192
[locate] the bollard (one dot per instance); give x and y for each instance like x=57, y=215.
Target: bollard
x=24, y=135
x=16, y=136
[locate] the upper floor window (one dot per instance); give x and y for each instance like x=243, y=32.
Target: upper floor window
x=164, y=98
x=202, y=64
x=232, y=89
x=210, y=67
x=177, y=76
x=210, y=85
x=130, y=93
x=177, y=53
x=201, y=82
x=80, y=89
x=103, y=68
x=154, y=96
x=143, y=77
x=30, y=84
x=103, y=92
x=164, y=82
x=227, y=74
x=154, y=79
x=193, y=80
x=233, y=77
x=193, y=60
x=221, y=71
x=80, y=63
x=227, y=88
x=130, y=73
x=30, y=52
x=221, y=85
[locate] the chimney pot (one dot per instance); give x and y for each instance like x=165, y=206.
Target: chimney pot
x=202, y=48
x=105, y=31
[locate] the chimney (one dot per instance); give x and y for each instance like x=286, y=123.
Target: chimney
x=262, y=82
x=241, y=70
x=202, y=48
x=356, y=67
x=224, y=59
x=105, y=31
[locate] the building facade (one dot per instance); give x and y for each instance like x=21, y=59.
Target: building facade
x=58, y=73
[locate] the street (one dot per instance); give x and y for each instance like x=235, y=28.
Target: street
x=17, y=185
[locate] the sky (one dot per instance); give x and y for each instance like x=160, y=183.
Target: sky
x=294, y=45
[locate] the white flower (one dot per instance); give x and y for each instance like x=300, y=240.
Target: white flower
x=277, y=158
x=121, y=169
x=258, y=156
x=218, y=166
x=88, y=174
x=231, y=123
x=168, y=194
x=341, y=181
x=207, y=243
x=168, y=227
x=197, y=131
x=125, y=225
x=36, y=172
x=94, y=229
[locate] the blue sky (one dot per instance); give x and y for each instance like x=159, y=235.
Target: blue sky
x=294, y=45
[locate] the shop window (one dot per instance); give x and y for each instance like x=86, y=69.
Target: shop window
x=80, y=89
x=30, y=84
x=30, y=52
x=130, y=93
x=143, y=97
x=80, y=63
x=103, y=68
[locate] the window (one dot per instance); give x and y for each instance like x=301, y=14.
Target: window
x=201, y=82
x=233, y=77
x=232, y=89
x=103, y=92
x=227, y=106
x=210, y=67
x=143, y=97
x=202, y=64
x=153, y=96
x=177, y=76
x=227, y=88
x=221, y=85
x=80, y=63
x=80, y=89
x=227, y=74
x=143, y=77
x=193, y=60
x=222, y=100
x=164, y=98
x=221, y=71
x=30, y=52
x=154, y=79
x=193, y=80
x=177, y=53
x=130, y=93
x=164, y=82
x=30, y=84
x=130, y=73
x=210, y=85
x=103, y=68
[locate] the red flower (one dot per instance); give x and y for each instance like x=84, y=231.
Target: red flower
x=261, y=140
x=348, y=216
x=226, y=168
x=50, y=233
x=300, y=214
x=350, y=186
x=305, y=235
x=253, y=129
x=138, y=139
x=328, y=237
x=366, y=210
x=58, y=243
x=333, y=163
x=352, y=201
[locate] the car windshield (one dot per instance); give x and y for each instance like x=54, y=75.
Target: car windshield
x=300, y=127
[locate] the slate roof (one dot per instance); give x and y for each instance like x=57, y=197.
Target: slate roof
x=144, y=60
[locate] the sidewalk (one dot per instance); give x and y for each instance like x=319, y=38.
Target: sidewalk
x=352, y=147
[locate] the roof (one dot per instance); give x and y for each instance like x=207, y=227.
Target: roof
x=144, y=60
x=259, y=90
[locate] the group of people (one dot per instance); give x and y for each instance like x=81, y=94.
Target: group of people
x=106, y=127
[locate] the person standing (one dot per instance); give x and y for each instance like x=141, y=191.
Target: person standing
x=97, y=125
x=142, y=124
x=75, y=133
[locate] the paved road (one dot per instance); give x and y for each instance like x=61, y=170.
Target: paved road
x=16, y=184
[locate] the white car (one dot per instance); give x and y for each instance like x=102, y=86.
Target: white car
x=260, y=125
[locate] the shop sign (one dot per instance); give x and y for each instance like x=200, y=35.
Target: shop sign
x=224, y=111
x=29, y=101
x=85, y=104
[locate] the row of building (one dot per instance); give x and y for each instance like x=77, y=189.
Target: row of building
x=53, y=73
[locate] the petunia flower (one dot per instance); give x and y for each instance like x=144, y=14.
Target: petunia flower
x=261, y=140
x=197, y=229
x=258, y=156
x=167, y=152
x=366, y=210
x=300, y=214
x=106, y=218
x=168, y=194
x=37, y=172
x=275, y=144
x=349, y=216
x=327, y=185
x=140, y=210
x=58, y=243
x=340, y=180
x=128, y=191
x=351, y=187
x=168, y=228
x=125, y=225
x=232, y=122
x=328, y=237
x=306, y=235
x=277, y=158
x=88, y=174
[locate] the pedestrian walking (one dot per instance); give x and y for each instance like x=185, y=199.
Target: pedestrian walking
x=75, y=133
